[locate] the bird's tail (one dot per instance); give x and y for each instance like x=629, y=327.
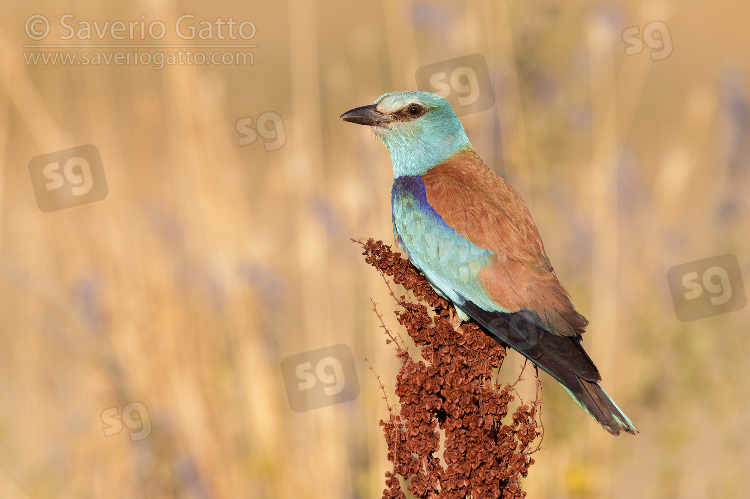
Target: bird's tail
x=562, y=357
x=592, y=399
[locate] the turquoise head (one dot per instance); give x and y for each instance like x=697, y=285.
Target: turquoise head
x=419, y=129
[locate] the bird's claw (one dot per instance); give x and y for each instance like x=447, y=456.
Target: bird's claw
x=455, y=320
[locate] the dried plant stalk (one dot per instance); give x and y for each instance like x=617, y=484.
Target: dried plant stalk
x=451, y=389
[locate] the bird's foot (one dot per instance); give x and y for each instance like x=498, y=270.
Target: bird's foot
x=455, y=320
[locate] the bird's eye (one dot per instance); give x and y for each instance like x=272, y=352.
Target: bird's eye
x=414, y=110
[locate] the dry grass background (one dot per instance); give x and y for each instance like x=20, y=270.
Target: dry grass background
x=208, y=263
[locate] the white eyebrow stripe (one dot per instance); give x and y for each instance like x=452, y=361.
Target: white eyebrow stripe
x=397, y=106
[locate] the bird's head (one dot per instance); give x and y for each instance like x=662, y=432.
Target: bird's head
x=419, y=129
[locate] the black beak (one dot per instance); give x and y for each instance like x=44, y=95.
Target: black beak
x=366, y=115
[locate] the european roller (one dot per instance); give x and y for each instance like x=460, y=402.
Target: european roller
x=473, y=237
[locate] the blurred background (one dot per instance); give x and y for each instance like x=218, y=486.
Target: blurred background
x=142, y=333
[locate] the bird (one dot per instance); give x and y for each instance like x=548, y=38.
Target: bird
x=472, y=236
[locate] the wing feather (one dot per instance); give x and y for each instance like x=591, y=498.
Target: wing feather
x=488, y=212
